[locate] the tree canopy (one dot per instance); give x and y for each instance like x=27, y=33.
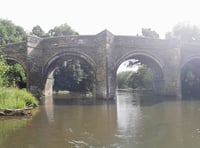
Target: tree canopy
x=142, y=78
x=62, y=30
x=38, y=31
x=10, y=33
x=74, y=75
x=147, y=32
x=184, y=32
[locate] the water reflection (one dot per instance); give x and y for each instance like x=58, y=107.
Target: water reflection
x=128, y=116
x=49, y=108
x=8, y=126
x=130, y=121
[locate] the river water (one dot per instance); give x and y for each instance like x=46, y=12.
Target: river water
x=131, y=121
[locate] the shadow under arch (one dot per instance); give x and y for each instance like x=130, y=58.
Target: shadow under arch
x=58, y=59
x=153, y=63
x=190, y=78
x=192, y=58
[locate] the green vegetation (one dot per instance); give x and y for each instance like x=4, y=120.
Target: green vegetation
x=16, y=76
x=140, y=79
x=10, y=33
x=14, y=98
x=37, y=30
x=11, y=74
x=147, y=32
x=184, y=32
x=61, y=30
x=3, y=72
x=74, y=75
x=123, y=79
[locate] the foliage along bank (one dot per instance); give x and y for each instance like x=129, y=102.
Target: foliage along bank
x=11, y=97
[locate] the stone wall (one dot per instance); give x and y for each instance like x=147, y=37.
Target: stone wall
x=104, y=52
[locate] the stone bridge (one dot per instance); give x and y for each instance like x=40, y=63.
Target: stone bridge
x=104, y=52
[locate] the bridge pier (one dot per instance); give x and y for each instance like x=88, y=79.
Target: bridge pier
x=101, y=90
x=171, y=71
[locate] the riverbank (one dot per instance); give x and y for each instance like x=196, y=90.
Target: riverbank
x=16, y=102
x=16, y=112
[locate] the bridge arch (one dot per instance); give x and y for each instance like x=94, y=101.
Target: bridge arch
x=152, y=62
x=13, y=59
x=138, y=54
x=54, y=62
x=190, y=77
x=20, y=78
x=189, y=59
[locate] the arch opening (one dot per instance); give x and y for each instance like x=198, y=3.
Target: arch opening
x=140, y=72
x=70, y=76
x=17, y=75
x=190, y=79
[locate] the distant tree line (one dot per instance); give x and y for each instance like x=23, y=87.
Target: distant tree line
x=11, y=33
x=61, y=30
x=182, y=31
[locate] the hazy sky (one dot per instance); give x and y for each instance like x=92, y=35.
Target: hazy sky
x=121, y=17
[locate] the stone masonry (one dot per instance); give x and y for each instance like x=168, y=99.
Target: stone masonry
x=104, y=52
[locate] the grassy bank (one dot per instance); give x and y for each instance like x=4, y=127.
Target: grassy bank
x=13, y=98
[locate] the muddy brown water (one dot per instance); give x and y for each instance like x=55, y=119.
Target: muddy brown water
x=131, y=121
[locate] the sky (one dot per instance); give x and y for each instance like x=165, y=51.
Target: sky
x=121, y=17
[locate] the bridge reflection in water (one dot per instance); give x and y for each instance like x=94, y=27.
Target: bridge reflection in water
x=132, y=120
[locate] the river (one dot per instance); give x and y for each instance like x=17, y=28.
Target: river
x=130, y=121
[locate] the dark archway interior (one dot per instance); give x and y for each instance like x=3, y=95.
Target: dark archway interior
x=71, y=74
x=153, y=68
x=190, y=79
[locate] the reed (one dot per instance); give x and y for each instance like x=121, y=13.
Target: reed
x=14, y=98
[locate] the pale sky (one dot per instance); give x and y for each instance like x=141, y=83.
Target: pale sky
x=121, y=17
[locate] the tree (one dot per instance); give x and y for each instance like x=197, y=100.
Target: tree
x=147, y=32
x=3, y=73
x=74, y=75
x=184, y=32
x=62, y=30
x=123, y=79
x=10, y=33
x=16, y=76
x=37, y=30
x=142, y=78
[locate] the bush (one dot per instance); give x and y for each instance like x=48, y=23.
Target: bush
x=14, y=98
